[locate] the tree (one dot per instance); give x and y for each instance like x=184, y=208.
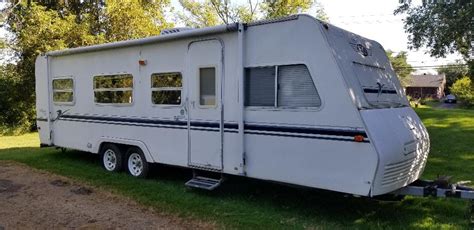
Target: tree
x=320, y=12
x=280, y=8
x=214, y=12
x=134, y=19
x=16, y=113
x=198, y=14
x=41, y=26
x=453, y=72
x=464, y=90
x=400, y=65
x=441, y=26
x=36, y=30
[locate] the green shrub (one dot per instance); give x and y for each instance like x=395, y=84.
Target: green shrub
x=16, y=113
x=422, y=101
x=463, y=89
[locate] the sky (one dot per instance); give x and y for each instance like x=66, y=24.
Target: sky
x=374, y=19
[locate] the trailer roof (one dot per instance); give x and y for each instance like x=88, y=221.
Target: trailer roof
x=147, y=40
x=166, y=37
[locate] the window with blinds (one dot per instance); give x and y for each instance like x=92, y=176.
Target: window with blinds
x=284, y=86
x=260, y=86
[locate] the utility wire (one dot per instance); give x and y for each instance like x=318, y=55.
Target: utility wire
x=435, y=66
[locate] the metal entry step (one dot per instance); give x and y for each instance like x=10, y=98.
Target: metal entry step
x=204, y=183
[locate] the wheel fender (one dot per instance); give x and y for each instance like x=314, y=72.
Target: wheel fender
x=137, y=143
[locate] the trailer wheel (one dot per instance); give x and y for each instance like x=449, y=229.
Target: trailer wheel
x=136, y=163
x=111, y=158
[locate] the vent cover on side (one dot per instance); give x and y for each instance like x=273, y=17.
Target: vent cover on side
x=174, y=30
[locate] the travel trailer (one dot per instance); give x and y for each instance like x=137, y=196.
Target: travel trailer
x=293, y=100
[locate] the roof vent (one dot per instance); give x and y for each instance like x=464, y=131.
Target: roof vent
x=174, y=30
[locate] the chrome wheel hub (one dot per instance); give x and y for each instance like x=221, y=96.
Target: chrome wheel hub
x=110, y=160
x=135, y=164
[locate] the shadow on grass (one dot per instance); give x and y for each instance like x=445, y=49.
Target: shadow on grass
x=248, y=203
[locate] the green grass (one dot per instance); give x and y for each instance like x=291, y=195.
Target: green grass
x=452, y=142
x=432, y=103
x=246, y=203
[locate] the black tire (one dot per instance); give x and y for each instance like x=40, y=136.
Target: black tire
x=111, y=157
x=137, y=165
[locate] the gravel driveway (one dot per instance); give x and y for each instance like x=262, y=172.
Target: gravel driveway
x=32, y=199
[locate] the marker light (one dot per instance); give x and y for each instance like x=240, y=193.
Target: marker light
x=142, y=62
x=358, y=138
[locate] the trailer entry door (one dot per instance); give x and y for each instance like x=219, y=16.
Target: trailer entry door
x=204, y=70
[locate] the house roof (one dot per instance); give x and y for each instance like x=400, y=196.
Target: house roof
x=427, y=80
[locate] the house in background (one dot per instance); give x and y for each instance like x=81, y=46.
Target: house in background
x=426, y=86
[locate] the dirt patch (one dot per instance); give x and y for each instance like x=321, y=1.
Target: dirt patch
x=32, y=199
x=59, y=183
x=7, y=186
x=81, y=191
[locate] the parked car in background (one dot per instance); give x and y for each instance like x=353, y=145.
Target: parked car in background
x=450, y=99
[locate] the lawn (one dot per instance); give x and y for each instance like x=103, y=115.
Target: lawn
x=246, y=203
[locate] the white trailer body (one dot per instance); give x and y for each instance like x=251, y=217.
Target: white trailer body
x=294, y=100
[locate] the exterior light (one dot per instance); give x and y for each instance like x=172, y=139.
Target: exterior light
x=358, y=138
x=142, y=62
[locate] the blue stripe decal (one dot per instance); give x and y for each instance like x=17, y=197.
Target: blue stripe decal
x=305, y=130
x=302, y=136
x=123, y=119
x=266, y=130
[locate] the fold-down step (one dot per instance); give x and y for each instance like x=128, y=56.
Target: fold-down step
x=204, y=183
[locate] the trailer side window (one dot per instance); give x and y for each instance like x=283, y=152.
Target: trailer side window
x=63, y=90
x=260, y=86
x=113, y=89
x=296, y=87
x=207, y=86
x=166, y=88
x=284, y=86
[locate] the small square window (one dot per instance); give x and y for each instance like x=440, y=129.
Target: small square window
x=166, y=88
x=63, y=90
